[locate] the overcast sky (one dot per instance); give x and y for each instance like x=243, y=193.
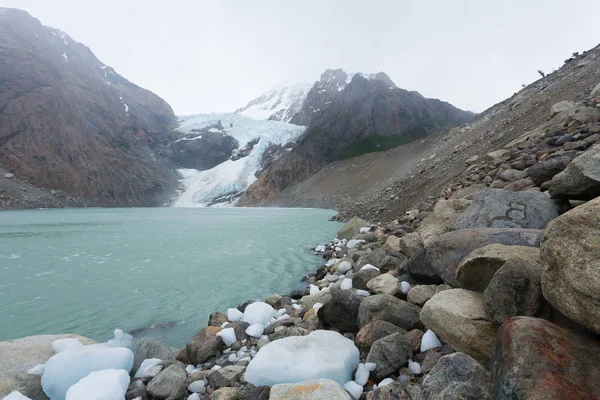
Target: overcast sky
x=216, y=55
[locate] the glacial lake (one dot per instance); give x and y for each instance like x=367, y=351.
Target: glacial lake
x=158, y=272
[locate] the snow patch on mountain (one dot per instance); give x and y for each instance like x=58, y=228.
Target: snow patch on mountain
x=279, y=104
x=223, y=184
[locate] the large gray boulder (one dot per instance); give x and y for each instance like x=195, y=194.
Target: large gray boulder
x=458, y=316
x=362, y=277
x=19, y=355
x=441, y=219
x=497, y=208
x=544, y=171
x=342, y=311
x=390, y=353
x=309, y=390
x=390, y=309
x=151, y=348
x=457, y=376
x=477, y=269
x=445, y=253
x=226, y=376
x=581, y=179
x=170, y=382
x=571, y=255
x=352, y=228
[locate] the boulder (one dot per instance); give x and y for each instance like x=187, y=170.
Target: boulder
x=217, y=319
x=477, y=269
x=515, y=289
x=561, y=106
x=390, y=263
x=511, y=175
x=390, y=353
x=151, y=348
x=204, y=345
x=441, y=219
x=457, y=376
x=360, y=279
x=535, y=359
x=458, y=316
x=545, y=170
x=351, y=228
x=445, y=253
x=226, y=376
x=571, y=255
x=170, y=382
x=410, y=244
x=342, y=311
x=581, y=179
x=227, y=393
x=390, y=309
x=595, y=91
x=375, y=258
x=420, y=294
x=498, y=154
x=323, y=297
x=19, y=355
x=497, y=208
x=396, y=391
x=373, y=331
x=420, y=268
x=384, y=284
x=309, y=390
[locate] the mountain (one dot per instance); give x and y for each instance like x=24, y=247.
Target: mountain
x=70, y=123
x=280, y=104
x=349, y=119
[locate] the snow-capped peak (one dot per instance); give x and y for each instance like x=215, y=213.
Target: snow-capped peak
x=279, y=104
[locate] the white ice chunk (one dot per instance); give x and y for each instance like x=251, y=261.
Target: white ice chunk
x=255, y=330
x=369, y=266
x=284, y=316
x=146, y=365
x=65, y=344
x=297, y=307
x=190, y=368
x=365, y=229
x=354, y=389
x=346, y=284
x=317, y=305
x=280, y=312
x=109, y=384
x=364, y=293
x=331, y=262
x=16, y=396
x=385, y=382
x=68, y=367
x=121, y=339
x=196, y=386
x=362, y=375
x=320, y=354
x=228, y=335
x=194, y=396
x=344, y=267
x=37, y=370
x=370, y=367
x=320, y=248
x=234, y=315
x=314, y=289
x=404, y=286
x=414, y=367
x=429, y=341
x=232, y=358
x=353, y=243
x=258, y=313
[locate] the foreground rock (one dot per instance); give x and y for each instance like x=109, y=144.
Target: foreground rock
x=497, y=208
x=457, y=376
x=535, y=359
x=301, y=358
x=373, y=331
x=445, y=254
x=310, y=390
x=351, y=228
x=581, y=179
x=204, y=345
x=571, y=253
x=19, y=355
x=342, y=311
x=170, y=382
x=441, y=219
x=458, y=316
x=390, y=353
x=478, y=268
x=151, y=348
x=390, y=309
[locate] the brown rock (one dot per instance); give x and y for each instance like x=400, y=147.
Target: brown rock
x=373, y=331
x=204, y=345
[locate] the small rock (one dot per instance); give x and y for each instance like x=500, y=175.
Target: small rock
x=373, y=331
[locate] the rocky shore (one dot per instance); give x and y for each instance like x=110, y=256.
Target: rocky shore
x=491, y=290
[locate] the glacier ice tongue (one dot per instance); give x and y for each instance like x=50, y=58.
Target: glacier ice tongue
x=319, y=355
x=109, y=384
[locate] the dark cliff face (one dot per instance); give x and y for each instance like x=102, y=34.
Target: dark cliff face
x=344, y=121
x=70, y=123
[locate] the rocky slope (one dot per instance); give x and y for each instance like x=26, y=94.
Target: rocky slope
x=375, y=185
x=69, y=123
x=349, y=119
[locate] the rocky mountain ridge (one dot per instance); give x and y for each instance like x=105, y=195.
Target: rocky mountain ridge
x=279, y=104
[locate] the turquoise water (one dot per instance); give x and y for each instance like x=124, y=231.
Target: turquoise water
x=156, y=271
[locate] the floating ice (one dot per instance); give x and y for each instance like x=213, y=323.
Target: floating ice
x=346, y=284
x=228, y=336
x=109, y=384
x=65, y=344
x=233, y=314
x=255, y=330
x=404, y=286
x=344, y=267
x=145, y=366
x=354, y=389
x=362, y=375
x=385, y=382
x=319, y=355
x=121, y=339
x=429, y=341
x=37, y=370
x=16, y=396
x=196, y=386
x=414, y=367
x=258, y=313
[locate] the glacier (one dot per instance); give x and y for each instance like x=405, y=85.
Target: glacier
x=230, y=178
x=279, y=104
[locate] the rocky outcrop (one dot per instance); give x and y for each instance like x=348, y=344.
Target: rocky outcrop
x=70, y=123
